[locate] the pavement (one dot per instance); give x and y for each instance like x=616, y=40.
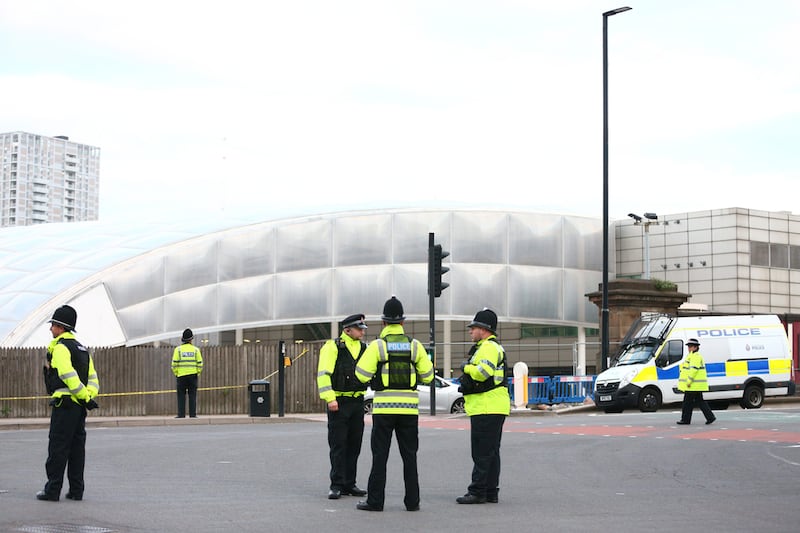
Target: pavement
x=142, y=421
x=566, y=469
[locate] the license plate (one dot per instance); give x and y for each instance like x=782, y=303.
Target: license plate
x=605, y=398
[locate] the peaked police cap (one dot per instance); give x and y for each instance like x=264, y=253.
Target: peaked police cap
x=354, y=321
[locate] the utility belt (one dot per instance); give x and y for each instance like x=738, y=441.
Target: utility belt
x=63, y=402
x=470, y=386
x=350, y=399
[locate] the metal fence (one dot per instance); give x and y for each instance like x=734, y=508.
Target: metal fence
x=138, y=381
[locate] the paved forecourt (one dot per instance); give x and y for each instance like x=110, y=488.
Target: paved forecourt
x=625, y=472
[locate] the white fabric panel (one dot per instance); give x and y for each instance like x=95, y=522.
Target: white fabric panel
x=363, y=240
x=247, y=301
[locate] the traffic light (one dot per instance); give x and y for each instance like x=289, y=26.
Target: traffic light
x=439, y=270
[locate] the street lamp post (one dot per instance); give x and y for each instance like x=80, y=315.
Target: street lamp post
x=604, y=308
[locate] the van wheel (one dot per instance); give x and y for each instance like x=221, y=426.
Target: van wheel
x=753, y=397
x=368, y=407
x=649, y=400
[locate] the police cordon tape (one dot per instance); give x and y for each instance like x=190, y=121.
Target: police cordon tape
x=144, y=393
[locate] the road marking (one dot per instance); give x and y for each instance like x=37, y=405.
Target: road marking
x=782, y=459
x=698, y=432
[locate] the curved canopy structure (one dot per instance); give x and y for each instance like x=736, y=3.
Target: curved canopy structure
x=135, y=284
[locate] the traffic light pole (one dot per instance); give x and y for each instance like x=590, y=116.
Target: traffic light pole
x=281, y=378
x=432, y=324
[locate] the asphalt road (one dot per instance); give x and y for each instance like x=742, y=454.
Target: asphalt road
x=583, y=471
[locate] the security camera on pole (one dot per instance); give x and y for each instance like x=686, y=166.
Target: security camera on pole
x=435, y=288
x=651, y=219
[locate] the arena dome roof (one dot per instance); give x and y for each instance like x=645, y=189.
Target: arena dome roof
x=135, y=284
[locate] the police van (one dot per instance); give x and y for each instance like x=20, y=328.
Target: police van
x=747, y=358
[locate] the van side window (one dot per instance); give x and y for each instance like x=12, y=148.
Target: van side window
x=674, y=351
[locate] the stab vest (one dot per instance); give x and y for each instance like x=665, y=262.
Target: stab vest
x=470, y=386
x=401, y=367
x=344, y=378
x=80, y=362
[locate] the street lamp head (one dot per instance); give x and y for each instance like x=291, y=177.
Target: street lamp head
x=616, y=11
x=636, y=218
x=651, y=216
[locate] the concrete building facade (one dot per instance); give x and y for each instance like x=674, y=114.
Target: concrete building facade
x=732, y=260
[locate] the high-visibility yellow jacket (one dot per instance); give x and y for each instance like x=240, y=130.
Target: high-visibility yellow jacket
x=60, y=353
x=394, y=401
x=485, y=364
x=328, y=355
x=693, y=376
x=187, y=360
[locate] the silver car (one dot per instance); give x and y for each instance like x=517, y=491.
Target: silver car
x=448, y=398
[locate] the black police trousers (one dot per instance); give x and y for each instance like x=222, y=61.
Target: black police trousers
x=66, y=448
x=692, y=399
x=485, y=434
x=406, y=428
x=345, y=432
x=187, y=385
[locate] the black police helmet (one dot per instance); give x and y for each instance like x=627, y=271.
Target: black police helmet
x=393, y=311
x=65, y=316
x=486, y=319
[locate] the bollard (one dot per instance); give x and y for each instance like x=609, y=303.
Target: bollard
x=520, y=385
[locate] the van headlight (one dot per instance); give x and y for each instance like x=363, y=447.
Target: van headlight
x=627, y=378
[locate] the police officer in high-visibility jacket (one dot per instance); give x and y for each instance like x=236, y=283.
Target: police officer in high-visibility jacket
x=71, y=381
x=693, y=381
x=394, y=364
x=487, y=403
x=187, y=365
x=344, y=395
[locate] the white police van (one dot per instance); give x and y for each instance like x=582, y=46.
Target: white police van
x=747, y=357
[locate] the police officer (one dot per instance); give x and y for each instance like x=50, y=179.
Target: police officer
x=487, y=403
x=72, y=383
x=187, y=365
x=344, y=396
x=693, y=381
x=394, y=364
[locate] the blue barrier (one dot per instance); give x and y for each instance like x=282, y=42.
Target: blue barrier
x=572, y=389
x=539, y=390
x=557, y=389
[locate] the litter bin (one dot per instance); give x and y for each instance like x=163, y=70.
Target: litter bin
x=259, y=397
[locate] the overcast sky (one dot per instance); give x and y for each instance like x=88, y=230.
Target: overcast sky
x=292, y=107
